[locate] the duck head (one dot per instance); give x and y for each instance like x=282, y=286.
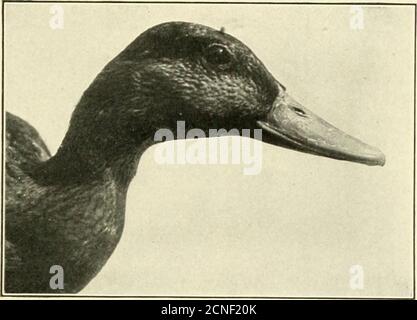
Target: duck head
x=187, y=72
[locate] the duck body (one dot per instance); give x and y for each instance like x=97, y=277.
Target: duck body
x=72, y=225
x=68, y=209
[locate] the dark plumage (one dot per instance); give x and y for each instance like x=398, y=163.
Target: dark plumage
x=68, y=209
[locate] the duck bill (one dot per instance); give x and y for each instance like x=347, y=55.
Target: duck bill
x=293, y=126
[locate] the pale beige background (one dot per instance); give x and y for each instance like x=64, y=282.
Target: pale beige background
x=296, y=228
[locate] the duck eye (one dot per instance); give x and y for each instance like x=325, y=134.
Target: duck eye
x=218, y=55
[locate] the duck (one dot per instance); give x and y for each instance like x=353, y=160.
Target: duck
x=68, y=209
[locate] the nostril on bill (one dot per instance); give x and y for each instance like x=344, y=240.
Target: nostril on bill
x=299, y=111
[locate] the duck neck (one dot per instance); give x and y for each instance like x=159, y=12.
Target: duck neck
x=80, y=162
x=110, y=129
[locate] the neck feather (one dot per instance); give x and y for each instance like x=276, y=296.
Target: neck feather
x=74, y=164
